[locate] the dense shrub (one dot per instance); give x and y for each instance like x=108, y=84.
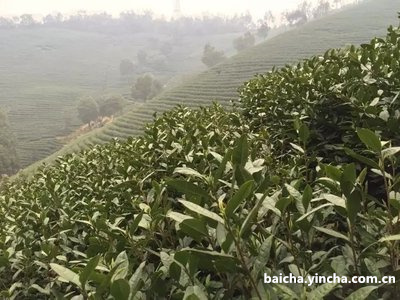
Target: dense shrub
x=330, y=96
x=111, y=105
x=146, y=87
x=88, y=109
x=212, y=56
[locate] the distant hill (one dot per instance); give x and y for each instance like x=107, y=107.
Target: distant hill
x=354, y=25
x=44, y=70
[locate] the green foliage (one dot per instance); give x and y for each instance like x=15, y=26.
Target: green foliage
x=146, y=87
x=212, y=56
x=263, y=30
x=322, y=9
x=110, y=106
x=296, y=17
x=207, y=201
x=88, y=109
x=332, y=95
x=265, y=25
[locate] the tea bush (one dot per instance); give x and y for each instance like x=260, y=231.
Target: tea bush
x=332, y=95
x=208, y=200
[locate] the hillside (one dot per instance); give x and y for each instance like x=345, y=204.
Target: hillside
x=44, y=70
x=302, y=177
x=355, y=25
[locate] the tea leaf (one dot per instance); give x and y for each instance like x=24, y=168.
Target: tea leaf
x=66, y=274
x=120, y=289
x=202, y=211
x=333, y=233
x=243, y=192
x=370, y=139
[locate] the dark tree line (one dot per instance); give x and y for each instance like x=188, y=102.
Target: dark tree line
x=147, y=22
x=134, y=22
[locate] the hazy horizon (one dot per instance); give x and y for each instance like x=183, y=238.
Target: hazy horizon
x=256, y=8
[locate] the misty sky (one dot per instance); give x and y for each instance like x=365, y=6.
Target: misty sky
x=161, y=7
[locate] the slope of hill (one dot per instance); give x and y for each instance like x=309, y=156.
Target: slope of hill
x=353, y=25
x=302, y=178
x=43, y=72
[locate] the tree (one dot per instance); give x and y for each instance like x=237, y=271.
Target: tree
x=6, y=23
x=126, y=67
x=88, y=110
x=27, y=20
x=52, y=20
x=300, y=15
x=265, y=25
x=243, y=42
x=322, y=9
x=211, y=56
x=111, y=105
x=9, y=163
x=146, y=87
x=263, y=30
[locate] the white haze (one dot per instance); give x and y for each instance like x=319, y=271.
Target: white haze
x=256, y=8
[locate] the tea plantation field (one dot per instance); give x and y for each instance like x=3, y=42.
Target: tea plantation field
x=44, y=70
x=354, y=25
x=300, y=178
